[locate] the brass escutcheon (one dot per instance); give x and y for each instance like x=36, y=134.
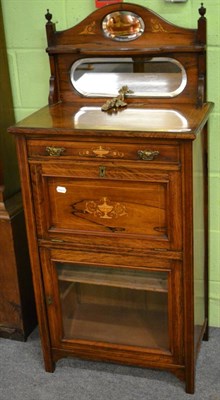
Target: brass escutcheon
x=101, y=171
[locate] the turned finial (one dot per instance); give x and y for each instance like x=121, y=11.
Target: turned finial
x=202, y=10
x=48, y=16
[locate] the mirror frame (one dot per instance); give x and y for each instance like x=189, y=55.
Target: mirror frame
x=123, y=26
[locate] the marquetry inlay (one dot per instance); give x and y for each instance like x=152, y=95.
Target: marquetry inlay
x=101, y=152
x=157, y=26
x=89, y=29
x=105, y=208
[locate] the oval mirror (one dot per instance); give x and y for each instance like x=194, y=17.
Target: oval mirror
x=104, y=77
x=123, y=25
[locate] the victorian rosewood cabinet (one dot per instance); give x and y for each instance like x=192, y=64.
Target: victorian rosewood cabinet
x=114, y=179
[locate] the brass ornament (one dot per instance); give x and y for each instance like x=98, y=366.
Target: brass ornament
x=55, y=151
x=147, y=155
x=118, y=101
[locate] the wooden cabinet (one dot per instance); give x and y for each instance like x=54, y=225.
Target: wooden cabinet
x=116, y=199
x=17, y=305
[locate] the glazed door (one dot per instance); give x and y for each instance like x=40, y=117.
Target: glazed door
x=127, y=307
x=122, y=306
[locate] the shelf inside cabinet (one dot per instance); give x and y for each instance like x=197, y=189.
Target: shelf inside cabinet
x=132, y=279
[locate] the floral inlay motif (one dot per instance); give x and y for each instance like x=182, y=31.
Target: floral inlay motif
x=101, y=152
x=89, y=29
x=157, y=26
x=105, y=208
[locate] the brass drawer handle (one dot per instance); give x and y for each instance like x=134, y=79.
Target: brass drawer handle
x=147, y=155
x=55, y=151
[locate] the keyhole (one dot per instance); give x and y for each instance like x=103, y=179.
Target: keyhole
x=101, y=171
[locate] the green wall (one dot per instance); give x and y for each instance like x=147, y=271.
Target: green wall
x=29, y=68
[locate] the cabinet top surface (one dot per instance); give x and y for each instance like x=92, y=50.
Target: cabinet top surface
x=183, y=121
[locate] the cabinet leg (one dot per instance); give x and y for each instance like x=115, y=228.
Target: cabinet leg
x=49, y=363
x=206, y=333
x=190, y=386
x=49, y=366
x=190, y=379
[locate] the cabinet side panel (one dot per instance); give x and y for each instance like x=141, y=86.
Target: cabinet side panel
x=199, y=184
x=33, y=250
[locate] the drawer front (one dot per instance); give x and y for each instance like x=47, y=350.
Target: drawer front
x=128, y=204
x=150, y=152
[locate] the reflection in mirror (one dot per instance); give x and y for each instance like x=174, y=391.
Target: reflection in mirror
x=139, y=119
x=145, y=77
x=123, y=26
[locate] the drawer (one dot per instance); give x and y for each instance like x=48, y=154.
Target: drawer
x=149, y=151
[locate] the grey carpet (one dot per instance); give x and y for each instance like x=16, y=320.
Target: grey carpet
x=22, y=376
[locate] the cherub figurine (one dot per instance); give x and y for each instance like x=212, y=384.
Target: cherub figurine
x=118, y=101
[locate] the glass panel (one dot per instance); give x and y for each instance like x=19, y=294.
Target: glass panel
x=121, y=306
x=104, y=77
x=123, y=26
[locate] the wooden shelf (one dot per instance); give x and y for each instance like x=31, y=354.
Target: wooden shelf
x=137, y=280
